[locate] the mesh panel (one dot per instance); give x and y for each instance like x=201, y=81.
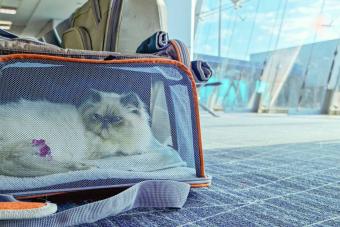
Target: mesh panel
x=68, y=125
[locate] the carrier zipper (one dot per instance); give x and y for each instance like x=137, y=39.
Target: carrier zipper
x=77, y=54
x=85, y=37
x=112, y=25
x=96, y=11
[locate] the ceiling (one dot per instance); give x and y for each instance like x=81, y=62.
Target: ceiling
x=33, y=15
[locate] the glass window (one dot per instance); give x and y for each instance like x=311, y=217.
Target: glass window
x=283, y=50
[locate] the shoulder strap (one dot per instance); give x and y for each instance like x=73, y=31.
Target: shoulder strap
x=153, y=193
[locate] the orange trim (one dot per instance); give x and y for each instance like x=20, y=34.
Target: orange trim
x=40, y=195
x=188, y=54
x=180, y=65
x=81, y=60
x=20, y=205
x=177, y=50
x=200, y=185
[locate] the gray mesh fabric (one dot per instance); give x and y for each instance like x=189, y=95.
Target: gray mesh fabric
x=40, y=100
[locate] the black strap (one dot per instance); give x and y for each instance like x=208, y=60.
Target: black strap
x=7, y=34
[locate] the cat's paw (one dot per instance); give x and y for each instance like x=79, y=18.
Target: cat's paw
x=134, y=152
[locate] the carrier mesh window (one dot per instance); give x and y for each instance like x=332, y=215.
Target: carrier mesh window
x=65, y=125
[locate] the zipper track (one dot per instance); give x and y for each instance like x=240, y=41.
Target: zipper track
x=85, y=37
x=96, y=11
x=112, y=25
x=114, y=55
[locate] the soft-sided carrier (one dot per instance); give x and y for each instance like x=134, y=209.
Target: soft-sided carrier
x=106, y=92
x=111, y=25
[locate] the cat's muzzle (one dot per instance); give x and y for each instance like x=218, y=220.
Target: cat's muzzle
x=106, y=121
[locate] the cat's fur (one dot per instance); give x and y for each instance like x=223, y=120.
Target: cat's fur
x=106, y=124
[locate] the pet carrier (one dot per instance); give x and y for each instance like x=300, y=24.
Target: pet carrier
x=75, y=120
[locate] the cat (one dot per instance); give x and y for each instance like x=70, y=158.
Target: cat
x=104, y=125
x=115, y=124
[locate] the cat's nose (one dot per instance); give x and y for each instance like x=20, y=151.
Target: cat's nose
x=105, y=125
x=113, y=120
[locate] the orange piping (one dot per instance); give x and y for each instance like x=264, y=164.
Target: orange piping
x=20, y=205
x=177, y=50
x=200, y=185
x=39, y=195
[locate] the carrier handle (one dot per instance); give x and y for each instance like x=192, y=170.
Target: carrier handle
x=153, y=193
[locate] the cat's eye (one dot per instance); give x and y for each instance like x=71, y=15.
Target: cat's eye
x=135, y=111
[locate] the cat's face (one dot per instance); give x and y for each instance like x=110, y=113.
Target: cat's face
x=109, y=114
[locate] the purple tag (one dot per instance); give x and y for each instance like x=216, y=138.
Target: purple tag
x=38, y=142
x=45, y=151
x=43, y=148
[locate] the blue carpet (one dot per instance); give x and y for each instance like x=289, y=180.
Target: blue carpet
x=280, y=185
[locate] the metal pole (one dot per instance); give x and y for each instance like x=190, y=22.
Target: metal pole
x=219, y=28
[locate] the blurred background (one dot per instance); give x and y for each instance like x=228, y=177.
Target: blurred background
x=276, y=56
x=271, y=56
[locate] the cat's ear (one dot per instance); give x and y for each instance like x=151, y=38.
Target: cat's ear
x=95, y=96
x=131, y=100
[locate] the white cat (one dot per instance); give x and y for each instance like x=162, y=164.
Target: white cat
x=106, y=124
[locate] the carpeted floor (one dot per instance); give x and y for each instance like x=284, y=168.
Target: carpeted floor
x=276, y=184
